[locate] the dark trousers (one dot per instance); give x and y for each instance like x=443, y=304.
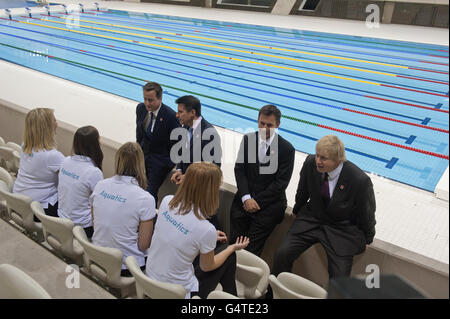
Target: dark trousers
x=155, y=177
x=256, y=226
x=127, y=273
x=89, y=231
x=294, y=245
x=225, y=275
x=50, y=211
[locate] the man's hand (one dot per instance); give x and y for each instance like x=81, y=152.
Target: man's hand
x=177, y=177
x=221, y=236
x=251, y=206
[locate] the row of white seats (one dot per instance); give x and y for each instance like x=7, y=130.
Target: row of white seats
x=70, y=243
x=9, y=156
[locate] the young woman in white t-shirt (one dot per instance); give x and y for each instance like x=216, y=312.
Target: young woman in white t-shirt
x=122, y=210
x=183, y=231
x=78, y=176
x=39, y=160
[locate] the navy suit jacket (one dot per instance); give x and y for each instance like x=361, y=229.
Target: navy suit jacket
x=156, y=145
x=200, y=139
x=268, y=190
x=349, y=218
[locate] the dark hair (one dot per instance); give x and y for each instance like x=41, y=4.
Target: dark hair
x=270, y=109
x=190, y=103
x=153, y=86
x=86, y=143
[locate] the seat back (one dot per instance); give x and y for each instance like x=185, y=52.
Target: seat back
x=151, y=288
x=7, y=178
x=295, y=286
x=14, y=146
x=4, y=209
x=16, y=284
x=58, y=232
x=219, y=294
x=11, y=158
x=253, y=273
x=103, y=262
x=21, y=213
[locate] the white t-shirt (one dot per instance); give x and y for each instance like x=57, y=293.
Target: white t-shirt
x=177, y=240
x=38, y=176
x=77, y=178
x=119, y=206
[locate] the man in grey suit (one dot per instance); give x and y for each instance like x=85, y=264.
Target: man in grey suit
x=334, y=206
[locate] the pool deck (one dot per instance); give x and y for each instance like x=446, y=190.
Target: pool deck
x=407, y=217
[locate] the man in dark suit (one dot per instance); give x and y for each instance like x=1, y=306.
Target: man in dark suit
x=263, y=170
x=154, y=123
x=201, y=141
x=334, y=206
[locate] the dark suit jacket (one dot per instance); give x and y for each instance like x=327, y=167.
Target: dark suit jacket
x=157, y=145
x=202, y=139
x=268, y=190
x=349, y=219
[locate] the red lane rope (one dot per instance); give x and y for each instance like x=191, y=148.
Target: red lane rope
x=385, y=142
x=445, y=64
x=419, y=91
x=409, y=104
x=425, y=70
x=419, y=79
x=398, y=121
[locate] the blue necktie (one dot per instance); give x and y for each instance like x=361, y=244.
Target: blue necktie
x=149, y=127
x=190, y=130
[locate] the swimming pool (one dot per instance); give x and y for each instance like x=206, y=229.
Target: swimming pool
x=387, y=100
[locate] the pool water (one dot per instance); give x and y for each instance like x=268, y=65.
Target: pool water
x=387, y=100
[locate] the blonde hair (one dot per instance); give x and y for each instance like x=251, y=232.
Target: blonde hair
x=129, y=161
x=332, y=146
x=199, y=190
x=39, y=131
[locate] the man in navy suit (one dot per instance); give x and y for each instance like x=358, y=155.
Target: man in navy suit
x=154, y=124
x=334, y=206
x=201, y=143
x=263, y=170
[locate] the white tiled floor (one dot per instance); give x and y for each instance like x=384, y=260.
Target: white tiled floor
x=407, y=217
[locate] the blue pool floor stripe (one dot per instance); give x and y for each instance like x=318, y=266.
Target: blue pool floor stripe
x=236, y=70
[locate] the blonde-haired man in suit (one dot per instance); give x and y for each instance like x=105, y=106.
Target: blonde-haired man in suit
x=334, y=206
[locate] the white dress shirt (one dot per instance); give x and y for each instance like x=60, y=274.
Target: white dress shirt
x=149, y=116
x=263, y=145
x=333, y=177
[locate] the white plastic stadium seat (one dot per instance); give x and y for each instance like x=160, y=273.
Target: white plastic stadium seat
x=291, y=286
x=16, y=284
x=153, y=289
